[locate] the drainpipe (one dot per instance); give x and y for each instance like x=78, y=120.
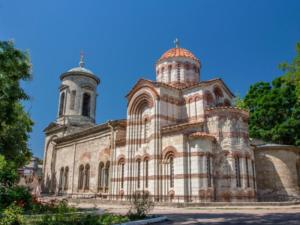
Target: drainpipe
x=112, y=160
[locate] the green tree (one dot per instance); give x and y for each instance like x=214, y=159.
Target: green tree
x=275, y=107
x=15, y=123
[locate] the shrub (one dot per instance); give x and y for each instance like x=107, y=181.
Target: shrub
x=12, y=215
x=15, y=194
x=141, y=205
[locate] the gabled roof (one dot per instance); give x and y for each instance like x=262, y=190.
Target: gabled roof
x=142, y=83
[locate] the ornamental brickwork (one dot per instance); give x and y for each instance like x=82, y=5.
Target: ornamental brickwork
x=182, y=140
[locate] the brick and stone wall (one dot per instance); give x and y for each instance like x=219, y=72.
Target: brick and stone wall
x=278, y=172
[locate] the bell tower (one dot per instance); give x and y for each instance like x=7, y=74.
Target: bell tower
x=77, y=97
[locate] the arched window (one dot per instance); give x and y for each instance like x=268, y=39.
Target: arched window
x=187, y=66
x=146, y=130
x=208, y=169
x=171, y=170
x=190, y=107
x=61, y=104
x=209, y=99
x=86, y=104
x=195, y=68
x=107, y=175
x=146, y=169
x=169, y=73
x=87, y=177
x=237, y=171
x=73, y=97
x=61, y=178
x=138, y=173
x=218, y=94
x=196, y=108
x=247, y=172
x=121, y=171
x=66, y=182
x=81, y=177
x=100, y=175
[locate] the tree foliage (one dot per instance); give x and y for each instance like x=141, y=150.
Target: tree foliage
x=275, y=107
x=15, y=123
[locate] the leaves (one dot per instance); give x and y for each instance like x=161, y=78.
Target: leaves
x=275, y=107
x=15, y=123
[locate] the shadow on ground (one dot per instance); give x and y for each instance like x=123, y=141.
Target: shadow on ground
x=233, y=218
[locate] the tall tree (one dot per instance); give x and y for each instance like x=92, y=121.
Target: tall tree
x=275, y=107
x=15, y=123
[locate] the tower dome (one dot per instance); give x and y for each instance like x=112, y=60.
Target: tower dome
x=178, y=67
x=77, y=98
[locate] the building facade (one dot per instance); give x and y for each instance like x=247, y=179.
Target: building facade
x=182, y=139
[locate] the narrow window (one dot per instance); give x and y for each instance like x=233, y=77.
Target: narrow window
x=298, y=171
x=122, y=175
x=81, y=177
x=66, y=178
x=208, y=168
x=237, y=172
x=178, y=72
x=169, y=73
x=138, y=173
x=87, y=177
x=247, y=172
x=107, y=175
x=100, y=177
x=146, y=130
x=171, y=162
x=61, y=104
x=253, y=174
x=73, y=97
x=196, y=102
x=61, y=178
x=86, y=104
x=146, y=173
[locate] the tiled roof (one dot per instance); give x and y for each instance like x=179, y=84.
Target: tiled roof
x=178, y=52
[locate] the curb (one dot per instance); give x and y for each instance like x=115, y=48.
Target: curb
x=146, y=221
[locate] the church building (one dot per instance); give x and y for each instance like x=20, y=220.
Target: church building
x=183, y=140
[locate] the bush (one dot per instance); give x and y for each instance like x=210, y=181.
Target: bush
x=78, y=219
x=141, y=205
x=15, y=194
x=12, y=215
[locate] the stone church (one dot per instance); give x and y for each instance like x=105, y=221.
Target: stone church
x=183, y=140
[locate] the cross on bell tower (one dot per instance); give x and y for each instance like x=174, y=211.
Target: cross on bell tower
x=81, y=62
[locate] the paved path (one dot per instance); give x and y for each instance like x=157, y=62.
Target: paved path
x=224, y=215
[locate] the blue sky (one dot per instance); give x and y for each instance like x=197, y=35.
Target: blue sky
x=239, y=41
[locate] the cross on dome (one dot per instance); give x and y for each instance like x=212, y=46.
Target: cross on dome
x=81, y=62
x=176, y=42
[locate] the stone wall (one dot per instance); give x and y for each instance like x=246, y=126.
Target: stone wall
x=277, y=172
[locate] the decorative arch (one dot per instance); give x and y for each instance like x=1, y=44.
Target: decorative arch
x=147, y=86
x=170, y=150
x=121, y=158
x=140, y=102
